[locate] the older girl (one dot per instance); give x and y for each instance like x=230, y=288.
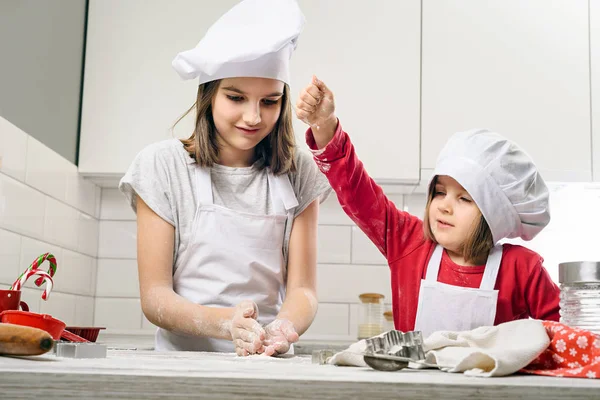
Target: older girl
x=227, y=219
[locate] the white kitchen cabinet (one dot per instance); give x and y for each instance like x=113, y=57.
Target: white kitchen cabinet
x=368, y=54
x=595, y=64
x=520, y=68
x=132, y=95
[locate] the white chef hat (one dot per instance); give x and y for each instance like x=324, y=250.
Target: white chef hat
x=502, y=180
x=255, y=38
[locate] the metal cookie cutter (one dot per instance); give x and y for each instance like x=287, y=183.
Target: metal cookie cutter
x=321, y=356
x=394, y=350
x=80, y=350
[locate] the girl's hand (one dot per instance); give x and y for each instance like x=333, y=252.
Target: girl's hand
x=280, y=335
x=246, y=333
x=316, y=107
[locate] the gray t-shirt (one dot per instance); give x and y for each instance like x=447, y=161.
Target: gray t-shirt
x=163, y=175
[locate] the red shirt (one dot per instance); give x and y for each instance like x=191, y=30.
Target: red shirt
x=524, y=285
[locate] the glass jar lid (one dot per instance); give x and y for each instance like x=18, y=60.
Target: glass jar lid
x=579, y=272
x=371, y=297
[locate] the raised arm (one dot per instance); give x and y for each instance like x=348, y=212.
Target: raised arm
x=361, y=198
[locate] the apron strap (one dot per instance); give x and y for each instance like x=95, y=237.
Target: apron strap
x=204, y=186
x=282, y=193
x=492, y=266
x=433, y=267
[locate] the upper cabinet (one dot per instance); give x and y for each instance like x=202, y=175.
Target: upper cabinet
x=41, y=45
x=520, y=68
x=405, y=74
x=368, y=54
x=131, y=94
x=595, y=63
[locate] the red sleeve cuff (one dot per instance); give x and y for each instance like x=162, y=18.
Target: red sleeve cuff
x=333, y=149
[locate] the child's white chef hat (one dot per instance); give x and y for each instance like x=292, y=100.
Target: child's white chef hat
x=255, y=38
x=502, y=180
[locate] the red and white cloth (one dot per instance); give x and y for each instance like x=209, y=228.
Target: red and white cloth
x=573, y=353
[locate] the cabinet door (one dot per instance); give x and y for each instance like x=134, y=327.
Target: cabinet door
x=595, y=64
x=520, y=68
x=368, y=54
x=132, y=95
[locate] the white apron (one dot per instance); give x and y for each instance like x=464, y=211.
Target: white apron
x=444, y=307
x=232, y=256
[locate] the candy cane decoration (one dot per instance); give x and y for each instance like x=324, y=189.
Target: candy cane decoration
x=36, y=265
x=43, y=275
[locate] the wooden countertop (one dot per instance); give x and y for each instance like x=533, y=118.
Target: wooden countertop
x=153, y=375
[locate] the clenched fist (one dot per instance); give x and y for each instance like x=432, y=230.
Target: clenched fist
x=316, y=107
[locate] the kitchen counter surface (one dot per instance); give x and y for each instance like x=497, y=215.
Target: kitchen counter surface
x=127, y=374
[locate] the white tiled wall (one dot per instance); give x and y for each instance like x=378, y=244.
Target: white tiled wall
x=45, y=206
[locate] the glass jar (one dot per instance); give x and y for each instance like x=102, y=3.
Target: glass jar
x=580, y=294
x=389, y=321
x=370, y=315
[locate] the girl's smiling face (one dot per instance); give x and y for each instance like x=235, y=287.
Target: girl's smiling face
x=245, y=111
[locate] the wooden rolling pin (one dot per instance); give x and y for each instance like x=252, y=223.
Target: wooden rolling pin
x=18, y=340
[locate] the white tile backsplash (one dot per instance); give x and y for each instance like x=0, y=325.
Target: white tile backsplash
x=117, y=239
x=42, y=199
x=334, y=243
x=415, y=204
x=118, y=314
x=76, y=274
x=338, y=283
x=81, y=194
x=13, y=150
x=115, y=206
x=10, y=254
x=84, y=311
x=47, y=171
x=60, y=224
x=94, y=276
x=331, y=321
x=21, y=208
x=60, y=306
x=117, y=278
x=88, y=232
x=364, y=251
x=331, y=213
x=98, y=202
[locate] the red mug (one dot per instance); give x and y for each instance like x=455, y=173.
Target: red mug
x=11, y=300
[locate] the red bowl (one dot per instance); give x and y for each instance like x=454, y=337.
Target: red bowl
x=45, y=322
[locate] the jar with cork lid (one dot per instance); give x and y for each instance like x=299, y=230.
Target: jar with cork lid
x=388, y=316
x=370, y=315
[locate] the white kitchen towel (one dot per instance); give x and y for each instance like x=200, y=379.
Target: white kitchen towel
x=486, y=351
x=351, y=357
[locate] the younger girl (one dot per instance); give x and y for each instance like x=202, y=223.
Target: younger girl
x=448, y=271
x=227, y=219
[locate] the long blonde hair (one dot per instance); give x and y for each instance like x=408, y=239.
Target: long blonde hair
x=276, y=150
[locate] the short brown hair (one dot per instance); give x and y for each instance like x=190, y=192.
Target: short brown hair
x=276, y=150
x=479, y=242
